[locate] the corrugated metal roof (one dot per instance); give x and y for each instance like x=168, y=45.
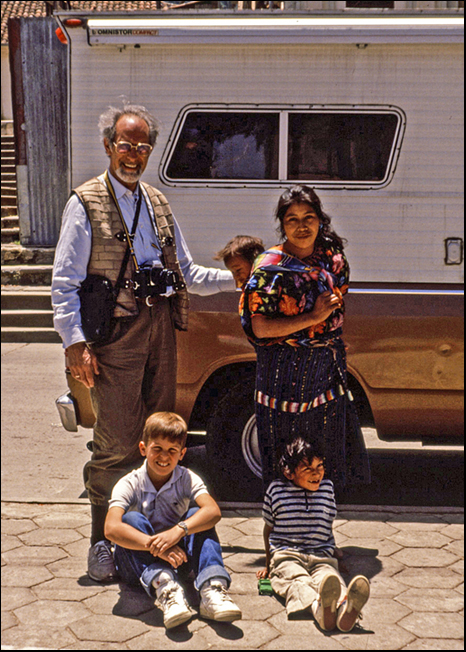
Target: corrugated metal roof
x=36, y=9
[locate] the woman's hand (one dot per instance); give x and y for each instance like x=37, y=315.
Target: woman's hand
x=325, y=304
x=262, y=574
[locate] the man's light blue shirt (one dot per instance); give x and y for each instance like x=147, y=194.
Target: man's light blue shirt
x=74, y=251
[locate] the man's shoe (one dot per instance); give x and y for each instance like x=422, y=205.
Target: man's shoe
x=172, y=601
x=100, y=564
x=216, y=604
x=324, y=609
x=350, y=609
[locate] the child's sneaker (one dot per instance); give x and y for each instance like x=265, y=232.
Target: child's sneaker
x=172, y=601
x=100, y=564
x=324, y=609
x=216, y=604
x=350, y=609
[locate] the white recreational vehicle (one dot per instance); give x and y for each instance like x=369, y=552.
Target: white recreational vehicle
x=367, y=110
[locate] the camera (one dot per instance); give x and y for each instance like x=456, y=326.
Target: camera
x=153, y=281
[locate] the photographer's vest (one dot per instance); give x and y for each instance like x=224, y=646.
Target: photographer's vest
x=108, y=251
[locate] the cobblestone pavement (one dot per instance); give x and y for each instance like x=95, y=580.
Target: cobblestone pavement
x=412, y=556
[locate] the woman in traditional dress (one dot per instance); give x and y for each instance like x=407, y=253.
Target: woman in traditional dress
x=292, y=311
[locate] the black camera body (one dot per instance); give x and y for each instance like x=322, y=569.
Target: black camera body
x=154, y=281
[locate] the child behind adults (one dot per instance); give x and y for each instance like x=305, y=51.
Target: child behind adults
x=299, y=510
x=160, y=537
x=238, y=256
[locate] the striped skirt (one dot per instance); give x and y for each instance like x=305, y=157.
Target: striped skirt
x=303, y=391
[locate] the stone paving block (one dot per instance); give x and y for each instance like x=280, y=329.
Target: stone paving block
x=68, y=589
x=244, y=583
x=14, y=597
x=454, y=531
x=460, y=588
x=254, y=527
x=382, y=610
x=78, y=548
x=258, y=607
x=24, y=576
x=103, y=603
x=433, y=600
x=51, y=613
x=374, y=530
x=386, y=587
x=24, y=510
x=434, y=625
x=383, y=637
x=8, y=620
x=458, y=567
x=435, y=644
x=179, y=638
x=420, y=539
x=308, y=642
x=49, y=537
x=424, y=557
x=370, y=566
x=63, y=520
x=133, y=601
x=427, y=578
x=69, y=567
x=9, y=542
x=26, y=637
x=228, y=534
x=96, y=645
x=245, y=562
x=34, y=555
x=17, y=525
x=369, y=547
x=113, y=629
x=456, y=547
x=240, y=635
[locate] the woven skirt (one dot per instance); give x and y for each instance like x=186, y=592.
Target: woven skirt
x=303, y=392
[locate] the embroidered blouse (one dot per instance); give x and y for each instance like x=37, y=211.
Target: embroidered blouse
x=282, y=285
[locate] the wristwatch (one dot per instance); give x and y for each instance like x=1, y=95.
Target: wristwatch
x=184, y=527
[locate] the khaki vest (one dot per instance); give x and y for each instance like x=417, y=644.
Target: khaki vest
x=107, y=251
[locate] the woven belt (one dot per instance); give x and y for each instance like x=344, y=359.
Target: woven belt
x=291, y=406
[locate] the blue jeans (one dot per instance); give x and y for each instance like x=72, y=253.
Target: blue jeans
x=202, y=549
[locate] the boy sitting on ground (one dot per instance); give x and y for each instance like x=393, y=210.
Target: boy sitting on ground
x=298, y=511
x=238, y=256
x=160, y=536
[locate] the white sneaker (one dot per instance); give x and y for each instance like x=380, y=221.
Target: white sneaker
x=350, y=609
x=100, y=564
x=324, y=609
x=216, y=604
x=172, y=601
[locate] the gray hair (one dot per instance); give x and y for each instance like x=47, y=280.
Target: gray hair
x=109, y=118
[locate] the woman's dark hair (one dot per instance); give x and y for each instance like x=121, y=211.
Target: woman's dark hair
x=300, y=194
x=300, y=450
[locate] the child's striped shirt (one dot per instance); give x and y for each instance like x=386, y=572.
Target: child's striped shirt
x=301, y=519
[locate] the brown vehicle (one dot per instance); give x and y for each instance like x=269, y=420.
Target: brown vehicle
x=405, y=362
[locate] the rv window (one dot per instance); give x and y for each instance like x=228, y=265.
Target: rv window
x=224, y=145
x=340, y=146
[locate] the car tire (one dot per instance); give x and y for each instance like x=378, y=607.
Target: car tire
x=231, y=445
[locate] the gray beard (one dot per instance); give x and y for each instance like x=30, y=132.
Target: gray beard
x=127, y=177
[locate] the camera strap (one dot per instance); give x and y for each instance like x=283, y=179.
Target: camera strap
x=129, y=236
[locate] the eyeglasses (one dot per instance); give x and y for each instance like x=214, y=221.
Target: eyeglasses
x=143, y=149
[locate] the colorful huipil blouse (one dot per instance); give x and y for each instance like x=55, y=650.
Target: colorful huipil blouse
x=282, y=285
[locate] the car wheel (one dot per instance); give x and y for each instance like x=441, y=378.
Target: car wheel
x=232, y=446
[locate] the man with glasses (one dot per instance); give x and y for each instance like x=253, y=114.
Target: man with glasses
x=117, y=227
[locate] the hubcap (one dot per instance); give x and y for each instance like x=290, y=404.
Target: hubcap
x=250, y=447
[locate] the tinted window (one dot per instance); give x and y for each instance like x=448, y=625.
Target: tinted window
x=340, y=146
x=224, y=145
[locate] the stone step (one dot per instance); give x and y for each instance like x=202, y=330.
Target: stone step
x=26, y=297
x=8, y=211
x=9, y=203
x=8, y=192
x=19, y=334
x=13, y=254
x=10, y=221
x=27, y=318
x=27, y=275
x=10, y=235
